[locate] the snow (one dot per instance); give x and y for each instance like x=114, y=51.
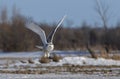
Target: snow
x=67, y=59
x=85, y=61
x=12, y=62
x=55, y=76
x=89, y=61
x=82, y=61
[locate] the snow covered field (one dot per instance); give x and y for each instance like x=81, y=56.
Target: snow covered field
x=74, y=65
x=68, y=58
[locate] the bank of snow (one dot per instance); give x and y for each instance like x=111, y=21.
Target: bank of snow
x=72, y=59
x=88, y=61
x=82, y=61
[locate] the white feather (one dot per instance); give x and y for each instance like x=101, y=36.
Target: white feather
x=40, y=47
x=35, y=28
x=51, y=35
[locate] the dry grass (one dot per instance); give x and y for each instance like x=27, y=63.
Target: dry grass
x=56, y=58
x=65, y=68
x=92, y=52
x=44, y=60
x=115, y=57
x=104, y=54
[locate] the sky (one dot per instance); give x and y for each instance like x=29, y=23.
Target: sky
x=77, y=11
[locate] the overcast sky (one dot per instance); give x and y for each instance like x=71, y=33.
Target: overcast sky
x=52, y=10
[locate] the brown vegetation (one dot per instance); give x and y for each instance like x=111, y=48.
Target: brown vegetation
x=15, y=37
x=63, y=69
x=115, y=57
x=56, y=58
x=44, y=60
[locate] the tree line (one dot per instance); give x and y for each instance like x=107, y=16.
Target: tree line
x=15, y=37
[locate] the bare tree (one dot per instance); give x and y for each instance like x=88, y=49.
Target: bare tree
x=3, y=15
x=102, y=10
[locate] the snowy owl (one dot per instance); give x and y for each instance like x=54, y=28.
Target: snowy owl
x=47, y=42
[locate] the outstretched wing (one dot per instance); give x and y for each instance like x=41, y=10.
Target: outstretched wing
x=51, y=35
x=35, y=28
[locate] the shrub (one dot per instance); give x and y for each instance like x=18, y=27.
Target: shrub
x=56, y=58
x=44, y=60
